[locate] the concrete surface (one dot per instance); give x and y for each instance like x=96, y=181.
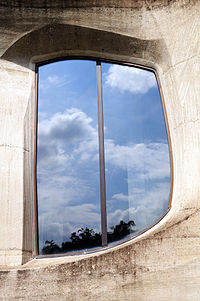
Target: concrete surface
x=163, y=263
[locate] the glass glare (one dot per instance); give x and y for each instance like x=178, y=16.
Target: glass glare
x=137, y=164
x=136, y=150
x=67, y=161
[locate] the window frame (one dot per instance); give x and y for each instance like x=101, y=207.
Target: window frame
x=98, y=61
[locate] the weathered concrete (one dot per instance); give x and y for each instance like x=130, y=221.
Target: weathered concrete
x=163, y=263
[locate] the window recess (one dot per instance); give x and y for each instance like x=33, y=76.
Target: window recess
x=102, y=164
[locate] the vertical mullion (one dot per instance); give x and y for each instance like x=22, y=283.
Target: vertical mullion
x=35, y=200
x=101, y=156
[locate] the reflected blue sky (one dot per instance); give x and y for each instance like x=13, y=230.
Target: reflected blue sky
x=136, y=148
x=68, y=174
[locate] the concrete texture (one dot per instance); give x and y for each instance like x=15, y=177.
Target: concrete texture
x=163, y=263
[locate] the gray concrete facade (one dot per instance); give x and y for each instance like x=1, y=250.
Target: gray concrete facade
x=164, y=262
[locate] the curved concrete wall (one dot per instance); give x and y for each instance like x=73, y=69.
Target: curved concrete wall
x=164, y=262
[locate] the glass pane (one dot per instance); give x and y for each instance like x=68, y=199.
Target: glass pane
x=67, y=157
x=136, y=150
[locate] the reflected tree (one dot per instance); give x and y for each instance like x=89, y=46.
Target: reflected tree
x=50, y=247
x=86, y=238
x=82, y=239
x=121, y=230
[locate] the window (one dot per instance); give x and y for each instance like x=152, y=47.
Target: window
x=103, y=168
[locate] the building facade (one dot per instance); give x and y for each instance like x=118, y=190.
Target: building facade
x=164, y=262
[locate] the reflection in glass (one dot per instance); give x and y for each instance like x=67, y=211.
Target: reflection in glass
x=67, y=158
x=136, y=149
x=136, y=154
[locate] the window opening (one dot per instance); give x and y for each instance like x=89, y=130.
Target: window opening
x=103, y=170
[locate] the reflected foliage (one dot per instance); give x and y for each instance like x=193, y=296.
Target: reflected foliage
x=86, y=238
x=82, y=239
x=121, y=230
x=50, y=247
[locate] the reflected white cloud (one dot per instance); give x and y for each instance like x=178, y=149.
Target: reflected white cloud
x=67, y=153
x=66, y=180
x=70, y=126
x=145, y=208
x=59, y=222
x=120, y=197
x=68, y=168
x=130, y=79
x=58, y=190
x=63, y=137
x=148, y=160
x=53, y=80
